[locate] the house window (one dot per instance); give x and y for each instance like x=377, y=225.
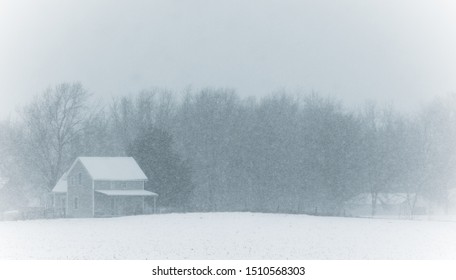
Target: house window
x=123, y=185
x=79, y=178
x=76, y=203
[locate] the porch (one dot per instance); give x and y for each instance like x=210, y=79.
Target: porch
x=111, y=203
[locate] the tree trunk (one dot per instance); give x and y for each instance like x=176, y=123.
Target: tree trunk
x=374, y=203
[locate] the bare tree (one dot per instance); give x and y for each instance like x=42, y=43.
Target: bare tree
x=132, y=115
x=52, y=122
x=436, y=153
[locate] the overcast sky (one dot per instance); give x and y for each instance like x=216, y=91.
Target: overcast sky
x=401, y=51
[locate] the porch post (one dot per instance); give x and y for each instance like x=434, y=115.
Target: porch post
x=155, y=209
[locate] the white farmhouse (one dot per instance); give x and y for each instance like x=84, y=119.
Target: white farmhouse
x=102, y=186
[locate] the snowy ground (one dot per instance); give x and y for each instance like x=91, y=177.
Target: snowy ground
x=227, y=236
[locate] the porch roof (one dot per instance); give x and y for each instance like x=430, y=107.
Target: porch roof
x=126, y=192
x=62, y=185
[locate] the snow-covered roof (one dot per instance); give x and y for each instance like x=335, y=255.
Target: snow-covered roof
x=62, y=185
x=113, y=168
x=127, y=193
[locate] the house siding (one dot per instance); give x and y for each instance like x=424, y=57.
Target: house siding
x=117, y=206
x=102, y=205
x=60, y=200
x=119, y=185
x=59, y=204
x=83, y=191
x=129, y=205
x=102, y=185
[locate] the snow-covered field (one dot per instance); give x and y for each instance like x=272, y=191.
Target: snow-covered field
x=227, y=236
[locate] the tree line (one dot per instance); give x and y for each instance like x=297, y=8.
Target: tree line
x=211, y=150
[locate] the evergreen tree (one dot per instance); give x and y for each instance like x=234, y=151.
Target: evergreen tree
x=169, y=176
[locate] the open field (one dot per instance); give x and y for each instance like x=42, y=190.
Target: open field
x=227, y=236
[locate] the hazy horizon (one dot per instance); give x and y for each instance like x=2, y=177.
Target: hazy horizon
x=395, y=52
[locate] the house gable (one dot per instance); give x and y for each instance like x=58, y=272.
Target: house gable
x=80, y=195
